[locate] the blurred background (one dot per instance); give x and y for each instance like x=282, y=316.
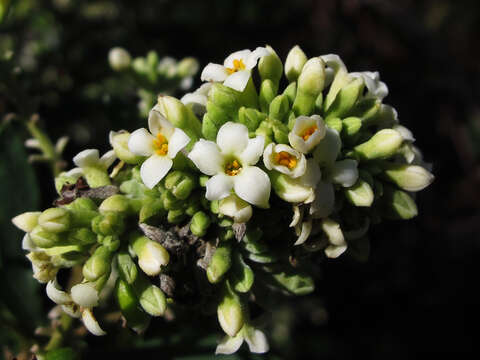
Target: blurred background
x=416, y=293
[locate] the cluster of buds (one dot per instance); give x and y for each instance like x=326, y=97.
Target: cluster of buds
x=239, y=189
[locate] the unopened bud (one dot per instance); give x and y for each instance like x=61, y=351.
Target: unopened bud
x=82, y=236
x=179, y=115
x=109, y=223
x=351, y=126
x=296, y=59
x=176, y=216
x=43, y=238
x=153, y=300
x=409, y=177
x=151, y=255
x=26, y=221
x=279, y=108
x=346, y=98
x=180, y=184
x=129, y=306
x=116, y=203
x=119, y=143
x=55, y=220
x=312, y=77
x=98, y=265
x=200, y=223
x=85, y=295
x=251, y=118
x=382, y=145
x=119, y=59
x=220, y=263
x=126, y=267
x=268, y=91
x=230, y=313
x=187, y=67
x=270, y=67
x=236, y=208
x=360, y=194
x=397, y=204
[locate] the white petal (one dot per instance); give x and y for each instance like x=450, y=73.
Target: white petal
x=71, y=309
x=345, y=172
x=253, y=185
x=232, y=138
x=406, y=133
x=312, y=174
x=108, y=158
x=375, y=87
x=253, y=151
x=328, y=149
x=335, y=237
x=230, y=345
x=91, y=323
x=333, y=251
x=88, y=157
x=207, y=157
x=270, y=162
x=28, y=244
x=238, y=55
x=56, y=294
x=192, y=98
x=154, y=169
x=157, y=123
x=85, y=295
x=297, y=216
x=236, y=208
x=306, y=229
x=254, y=56
x=238, y=80
x=324, y=201
x=140, y=142
x=218, y=187
x=302, y=123
x=334, y=61
x=177, y=142
x=257, y=341
x=214, y=72
x=75, y=172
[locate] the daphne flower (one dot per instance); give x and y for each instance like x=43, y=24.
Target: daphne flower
x=376, y=88
x=236, y=69
x=91, y=158
x=307, y=133
x=230, y=163
x=161, y=145
x=284, y=159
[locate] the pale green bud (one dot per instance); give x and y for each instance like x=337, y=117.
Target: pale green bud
x=187, y=67
x=110, y=242
x=334, y=123
x=312, y=77
x=126, y=267
x=366, y=109
x=408, y=177
x=109, y=223
x=251, y=118
x=279, y=108
x=230, y=313
x=176, y=216
x=268, y=91
x=296, y=59
x=270, y=67
x=129, y=306
x=346, y=98
x=85, y=294
x=220, y=263
x=119, y=59
x=360, y=194
x=181, y=184
x=96, y=176
x=280, y=131
x=193, y=205
x=153, y=300
x=98, y=265
x=224, y=97
x=43, y=238
x=298, y=284
x=83, y=211
x=242, y=275
x=253, y=241
x=239, y=210
x=151, y=255
x=119, y=143
x=290, y=92
x=397, y=204
x=351, y=126
x=26, y=221
x=116, y=203
x=150, y=208
x=55, y=220
x=200, y=223
x=82, y=236
x=382, y=145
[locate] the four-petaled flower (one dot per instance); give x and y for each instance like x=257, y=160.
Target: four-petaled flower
x=236, y=69
x=307, y=133
x=229, y=161
x=161, y=145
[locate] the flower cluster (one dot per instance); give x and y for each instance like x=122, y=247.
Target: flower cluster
x=250, y=184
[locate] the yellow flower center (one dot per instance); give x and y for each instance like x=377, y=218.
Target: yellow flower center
x=286, y=159
x=161, y=145
x=232, y=168
x=308, y=132
x=237, y=65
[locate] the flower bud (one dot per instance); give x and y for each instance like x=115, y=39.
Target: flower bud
x=397, y=204
x=345, y=99
x=220, y=263
x=296, y=59
x=408, y=177
x=290, y=189
x=151, y=208
x=279, y=108
x=85, y=294
x=200, y=223
x=26, y=221
x=109, y=223
x=236, y=208
x=153, y=300
x=82, y=236
x=119, y=59
x=187, y=67
x=43, y=269
x=116, y=203
x=253, y=241
x=290, y=92
x=298, y=284
x=351, y=126
x=310, y=85
x=360, y=194
x=119, y=143
x=335, y=124
x=110, y=242
x=151, y=255
x=230, y=313
x=98, y=265
x=270, y=67
x=180, y=184
x=126, y=267
x=382, y=145
x=242, y=275
x=55, y=220
x=43, y=238
x=129, y=306
x=175, y=216
x=335, y=237
x=251, y=118
x=268, y=91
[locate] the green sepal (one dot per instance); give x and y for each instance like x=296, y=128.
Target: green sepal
x=241, y=277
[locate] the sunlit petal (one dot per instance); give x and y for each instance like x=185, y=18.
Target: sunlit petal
x=218, y=187
x=214, y=72
x=154, y=169
x=207, y=157
x=141, y=143
x=177, y=142
x=253, y=185
x=232, y=138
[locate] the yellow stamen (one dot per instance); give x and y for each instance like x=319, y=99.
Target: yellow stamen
x=237, y=65
x=286, y=159
x=233, y=168
x=161, y=145
x=308, y=132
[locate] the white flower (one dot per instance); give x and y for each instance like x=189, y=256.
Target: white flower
x=91, y=158
x=236, y=208
x=198, y=99
x=161, y=145
x=376, y=88
x=284, y=159
x=307, y=133
x=236, y=69
x=229, y=161
x=256, y=340
x=333, y=64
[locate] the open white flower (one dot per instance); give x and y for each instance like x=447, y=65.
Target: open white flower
x=230, y=163
x=161, y=145
x=307, y=133
x=255, y=339
x=376, y=88
x=91, y=158
x=284, y=159
x=236, y=69
x=198, y=99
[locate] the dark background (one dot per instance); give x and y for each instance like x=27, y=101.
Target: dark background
x=416, y=295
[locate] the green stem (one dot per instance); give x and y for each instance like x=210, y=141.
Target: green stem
x=58, y=336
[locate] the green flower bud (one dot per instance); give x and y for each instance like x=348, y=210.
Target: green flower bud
x=408, y=177
x=209, y=128
x=110, y=242
x=397, y=204
x=340, y=80
x=242, y=276
x=129, y=306
x=280, y=131
x=180, y=116
x=309, y=86
x=230, y=313
x=116, y=203
x=265, y=130
x=226, y=234
x=83, y=211
x=175, y=216
x=224, y=97
x=119, y=143
x=187, y=67
x=151, y=208
x=335, y=123
x=291, y=92
x=382, y=145
x=82, y=204
x=220, y=263
x=55, y=220
x=214, y=207
x=253, y=241
x=200, y=223
x=345, y=99
x=151, y=255
x=109, y=223
x=366, y=110
x=43, y=238
x=180, y=184
x=298, y=284
x=296, y=59
x=251, y=118
x=119, y=59
x=279, y=108
x=319, y=104
x=360, y=194
x=98, y=265
x=270, y=67
x=26, y=221
x=126, y=267
x=351, y=126
x=153, y=300
x=82, y=236
x=268, y=91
